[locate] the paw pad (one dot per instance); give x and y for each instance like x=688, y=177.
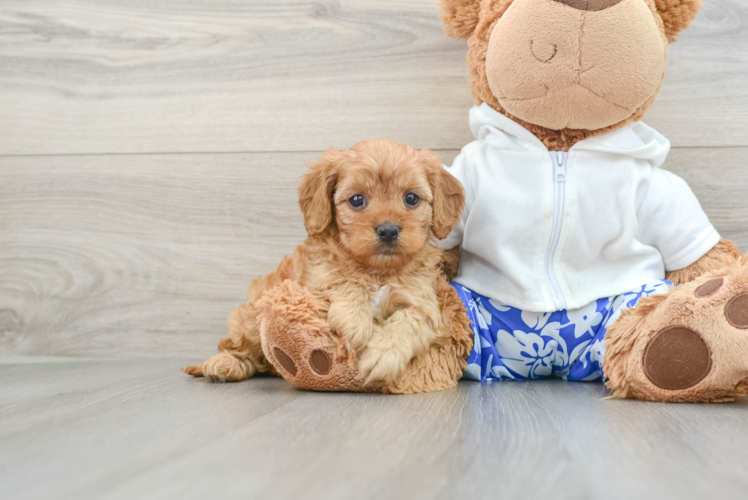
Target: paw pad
x=677, y=358
x=736, y=311
x=285, y=361
x=320, y=362
x=709, y=288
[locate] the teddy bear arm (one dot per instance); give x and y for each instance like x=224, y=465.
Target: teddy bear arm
x=449, y=263
x=724, y=254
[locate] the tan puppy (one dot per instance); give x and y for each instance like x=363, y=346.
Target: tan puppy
x=373, y=214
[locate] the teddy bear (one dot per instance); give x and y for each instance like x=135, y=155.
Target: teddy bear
x=579, y=257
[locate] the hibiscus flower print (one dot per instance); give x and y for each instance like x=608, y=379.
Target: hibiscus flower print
x=526, y=354
x=520, y=345
x=585, y=319
x=500, y=372
x=499, y=306
x=487, y=318
x=535, y=320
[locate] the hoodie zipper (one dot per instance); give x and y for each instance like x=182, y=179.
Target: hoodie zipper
x=560, y=174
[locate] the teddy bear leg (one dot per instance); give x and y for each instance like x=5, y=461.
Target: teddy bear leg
x=690, y=345
x=297, y=341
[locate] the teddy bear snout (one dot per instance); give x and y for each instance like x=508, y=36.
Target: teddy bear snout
x=550, y=64
x=590, y=5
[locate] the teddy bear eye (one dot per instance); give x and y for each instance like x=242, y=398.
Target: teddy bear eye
x=357, y=201
x=412, y=199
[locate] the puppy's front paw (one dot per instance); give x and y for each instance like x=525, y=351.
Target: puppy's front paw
x=381, y=365
x=356, y=330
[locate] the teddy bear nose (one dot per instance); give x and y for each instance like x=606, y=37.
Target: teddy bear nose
x=590, y=5
x=388, y=232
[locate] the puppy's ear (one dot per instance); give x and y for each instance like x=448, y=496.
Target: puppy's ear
x=449, y=196
x=316, y=191
x=460, y=17
x=677, y=15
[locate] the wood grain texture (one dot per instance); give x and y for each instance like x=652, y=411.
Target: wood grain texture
x=145, y=255
x=142, y=429
x=84, y=76
x=136, y=254
x=114, y=76
x=719, y=178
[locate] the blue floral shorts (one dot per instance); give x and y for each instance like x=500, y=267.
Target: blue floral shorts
x=519, y=345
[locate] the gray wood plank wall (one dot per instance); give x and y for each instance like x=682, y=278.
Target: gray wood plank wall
x=149, y=151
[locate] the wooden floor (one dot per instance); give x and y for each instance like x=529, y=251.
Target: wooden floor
x=149, y=157
x=106, y=429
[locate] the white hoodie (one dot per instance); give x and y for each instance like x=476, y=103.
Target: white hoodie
x=545, y=231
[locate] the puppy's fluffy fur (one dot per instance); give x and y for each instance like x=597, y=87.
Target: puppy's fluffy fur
x=378, y=299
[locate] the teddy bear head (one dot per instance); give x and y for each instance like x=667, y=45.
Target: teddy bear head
x=567, y=69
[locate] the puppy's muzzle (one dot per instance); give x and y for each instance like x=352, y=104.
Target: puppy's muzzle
x=388, y=233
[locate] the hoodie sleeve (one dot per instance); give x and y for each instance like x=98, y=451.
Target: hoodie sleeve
x=672, y=220
x=459, y=170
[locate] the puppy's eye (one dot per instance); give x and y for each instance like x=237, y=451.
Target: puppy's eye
x=412, y=199
x=357, y=201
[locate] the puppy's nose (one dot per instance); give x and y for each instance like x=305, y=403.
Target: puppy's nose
x=388, y=232
x=590, y=5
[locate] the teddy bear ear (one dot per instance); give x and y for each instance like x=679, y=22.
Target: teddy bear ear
x=677, y=15
x=460, y=17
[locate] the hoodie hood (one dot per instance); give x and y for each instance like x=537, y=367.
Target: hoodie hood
x=635, y=140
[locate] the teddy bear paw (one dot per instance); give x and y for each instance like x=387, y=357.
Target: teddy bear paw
x=298, y=343
x=693, y=345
